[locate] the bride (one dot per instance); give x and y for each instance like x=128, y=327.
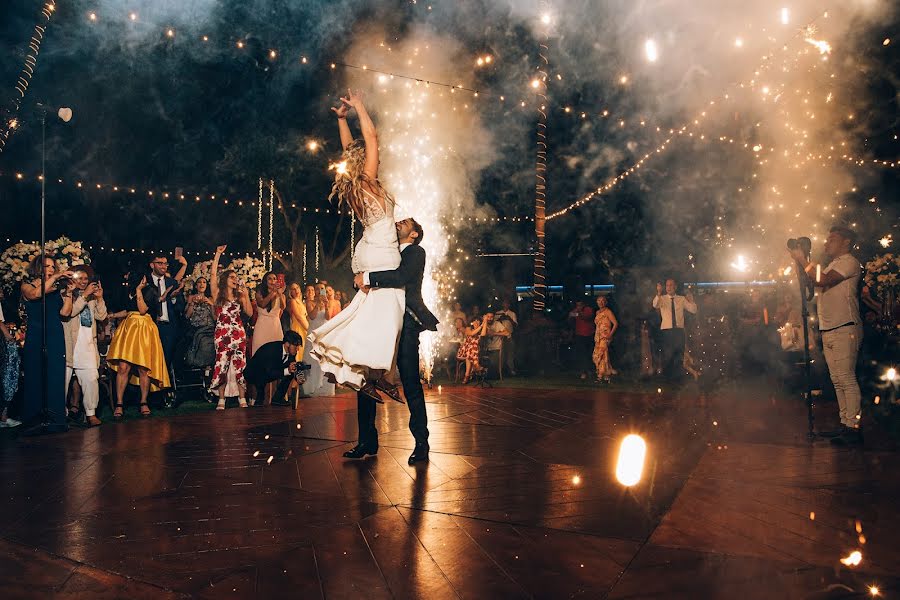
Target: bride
x=357, y=346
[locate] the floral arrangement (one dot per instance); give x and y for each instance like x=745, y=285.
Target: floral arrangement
x=883, y=272
x=15, y=259
x=249, y=269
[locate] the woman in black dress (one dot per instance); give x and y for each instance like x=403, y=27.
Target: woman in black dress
x=57, y=286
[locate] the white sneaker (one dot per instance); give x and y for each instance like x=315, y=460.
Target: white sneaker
x=10, y=423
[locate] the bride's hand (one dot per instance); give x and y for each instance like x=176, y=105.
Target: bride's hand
x=352, y=100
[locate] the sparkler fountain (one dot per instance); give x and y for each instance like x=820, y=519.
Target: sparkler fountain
x=433, y=144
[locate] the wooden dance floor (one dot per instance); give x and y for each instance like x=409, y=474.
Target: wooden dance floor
x=520, y=500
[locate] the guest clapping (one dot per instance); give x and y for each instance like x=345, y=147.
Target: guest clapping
x=136, y=346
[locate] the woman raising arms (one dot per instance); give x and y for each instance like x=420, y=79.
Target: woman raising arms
x=232, y=297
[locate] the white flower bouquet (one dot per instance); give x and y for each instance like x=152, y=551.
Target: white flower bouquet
x=883, y=273
x=15, y=259
x=249, y=269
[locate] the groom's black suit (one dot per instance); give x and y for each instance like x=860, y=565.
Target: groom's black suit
x=417, y=319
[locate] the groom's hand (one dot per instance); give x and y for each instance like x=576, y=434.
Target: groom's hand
x=358, y=281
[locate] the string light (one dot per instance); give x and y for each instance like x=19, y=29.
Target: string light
x=686, y=129
x=27, y=72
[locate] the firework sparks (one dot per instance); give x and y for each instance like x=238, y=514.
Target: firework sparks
x=853, y=560
x=821, y=45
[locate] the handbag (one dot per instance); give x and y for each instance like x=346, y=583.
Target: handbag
x=202, y=351
x=790, y=338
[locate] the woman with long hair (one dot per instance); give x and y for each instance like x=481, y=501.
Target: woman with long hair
x=296, y=308
x=232, y=297
x=270, y=303
x=606, y=325
x=136, y=346
x=316, y=309
x=356, y=347
x=56, y=286
x=332, y=305
x=199, y=310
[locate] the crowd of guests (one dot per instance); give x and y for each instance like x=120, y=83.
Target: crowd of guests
x=158, y=331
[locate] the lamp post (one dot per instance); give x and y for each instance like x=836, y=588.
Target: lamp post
x=45, y=425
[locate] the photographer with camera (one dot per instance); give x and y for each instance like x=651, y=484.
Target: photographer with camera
x=82, y=356
x=276, y=361
x=839, y=322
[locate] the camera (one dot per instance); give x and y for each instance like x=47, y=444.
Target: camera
x=803, y=243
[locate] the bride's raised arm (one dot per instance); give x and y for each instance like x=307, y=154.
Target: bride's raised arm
x=370, y=136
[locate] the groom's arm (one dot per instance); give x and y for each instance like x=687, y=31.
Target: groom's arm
x=412, y=265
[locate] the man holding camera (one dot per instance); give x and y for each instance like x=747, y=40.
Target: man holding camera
x=839, y=324
x=80, y=329
x=276, y=361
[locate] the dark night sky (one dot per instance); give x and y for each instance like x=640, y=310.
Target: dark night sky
x=182, y=114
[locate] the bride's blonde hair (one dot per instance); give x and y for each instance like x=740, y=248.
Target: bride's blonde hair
x=350, y=177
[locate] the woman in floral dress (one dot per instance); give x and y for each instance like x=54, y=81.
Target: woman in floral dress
x=231, y=337
x=469, y=350
x=606, y=324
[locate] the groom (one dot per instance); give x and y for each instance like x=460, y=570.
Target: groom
x=416, y=319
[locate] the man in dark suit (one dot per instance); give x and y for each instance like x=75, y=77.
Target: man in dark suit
x=417, y=319
x=275, y=361
x=168, y=318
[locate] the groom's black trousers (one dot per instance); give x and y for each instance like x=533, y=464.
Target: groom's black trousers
x=408, y=365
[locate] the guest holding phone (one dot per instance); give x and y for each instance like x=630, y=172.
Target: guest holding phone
x=57, y=286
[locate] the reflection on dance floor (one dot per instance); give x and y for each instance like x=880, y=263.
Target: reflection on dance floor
x=529, y=493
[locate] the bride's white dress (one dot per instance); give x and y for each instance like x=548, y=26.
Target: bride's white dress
x=364, y=335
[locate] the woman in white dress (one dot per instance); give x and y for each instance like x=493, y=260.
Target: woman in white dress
x=316, y=384
x=359, y=344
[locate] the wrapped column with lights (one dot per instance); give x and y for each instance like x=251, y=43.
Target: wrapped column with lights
x=271, y=222
x=540, y=192
x=317, y=250
x=27, y=72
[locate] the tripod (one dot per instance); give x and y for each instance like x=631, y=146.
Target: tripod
x=807, y=292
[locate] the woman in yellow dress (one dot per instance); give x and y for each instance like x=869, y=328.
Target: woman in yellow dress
x=136, y=346
x=299, y=318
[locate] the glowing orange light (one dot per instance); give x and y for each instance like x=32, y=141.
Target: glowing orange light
x=630, y=465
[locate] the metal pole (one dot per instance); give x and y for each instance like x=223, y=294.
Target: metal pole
x=45, y=416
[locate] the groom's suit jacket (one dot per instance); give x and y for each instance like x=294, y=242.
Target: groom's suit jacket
x=409, y=276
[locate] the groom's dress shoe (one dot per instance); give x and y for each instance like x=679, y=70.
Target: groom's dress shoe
x=389, y=390
x=360, y=452
x=420, y=454
x=371, y=391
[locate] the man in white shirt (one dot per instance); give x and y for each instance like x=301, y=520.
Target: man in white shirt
x=837, y=303
x=80, y=329
x=671, y=307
